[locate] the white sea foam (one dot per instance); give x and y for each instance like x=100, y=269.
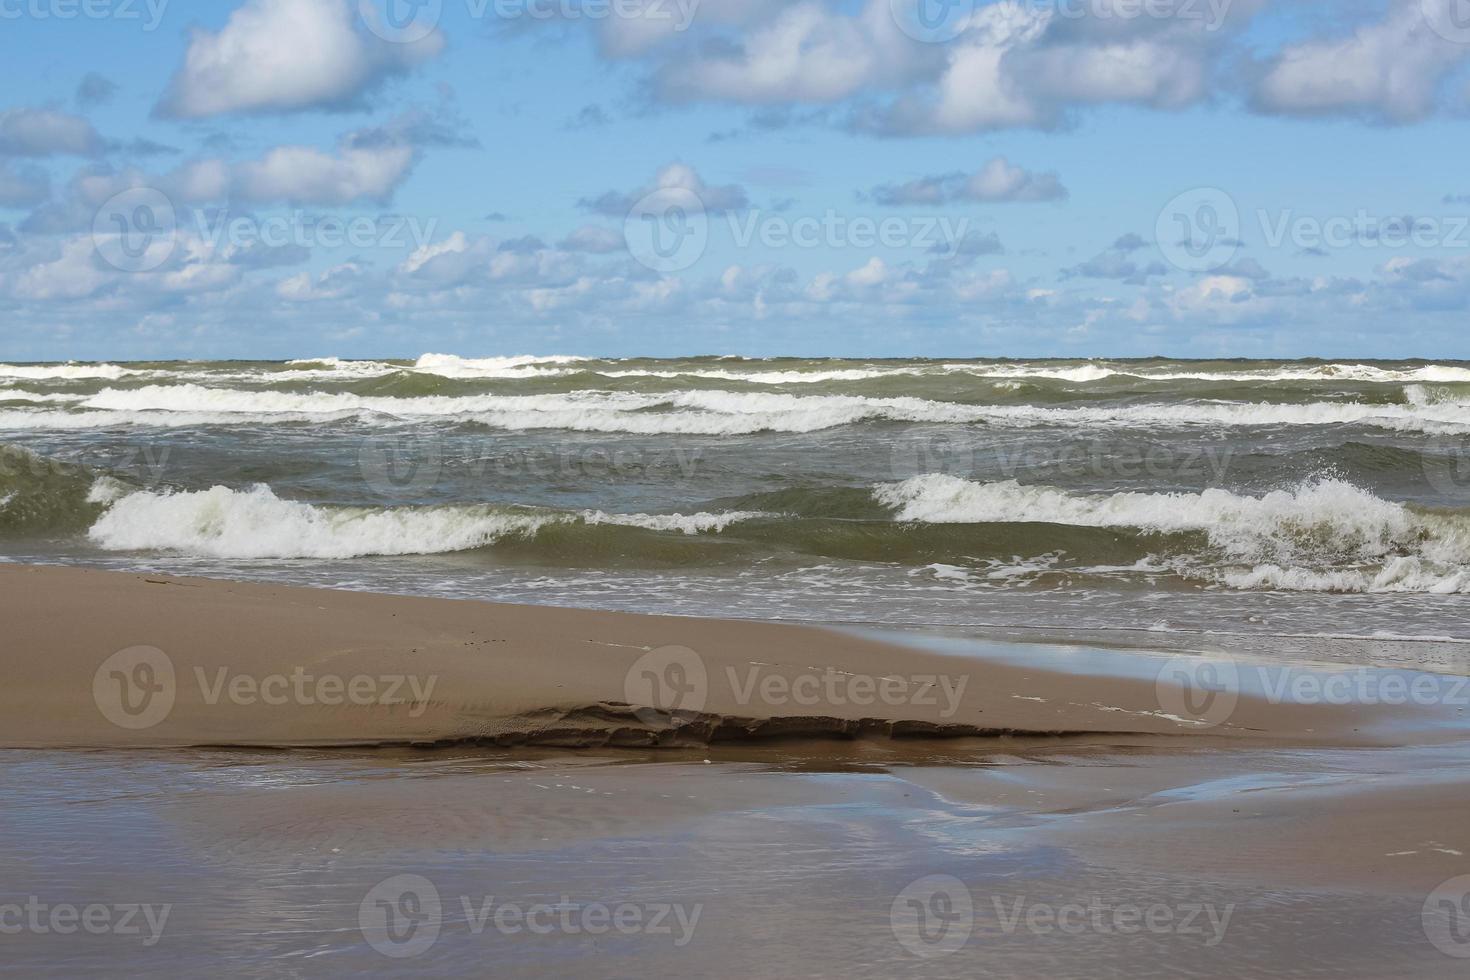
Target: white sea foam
x=524, y=366
x=718, y=412
x=1405, y=574
x=1320, y=372
x=23, y=419
x=700, y=523
x=768, y=377
x=1368, y=544
x=1080, y=374
x=64, y=372
x=16, y=395
x=255, y=523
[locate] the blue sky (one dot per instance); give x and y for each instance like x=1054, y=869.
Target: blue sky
x=288, y=178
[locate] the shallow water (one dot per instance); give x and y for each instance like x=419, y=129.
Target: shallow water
x=769, y=863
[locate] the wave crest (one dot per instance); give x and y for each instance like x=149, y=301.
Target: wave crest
x=255, y=523
x=1323, y=534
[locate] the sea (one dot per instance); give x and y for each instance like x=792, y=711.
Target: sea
x=1173, y=498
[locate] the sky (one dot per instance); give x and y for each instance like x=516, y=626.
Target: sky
x=1067, y=178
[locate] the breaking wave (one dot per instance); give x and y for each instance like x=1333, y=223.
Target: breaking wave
x=1321, y=535
x=255, y=523
x=710, y=412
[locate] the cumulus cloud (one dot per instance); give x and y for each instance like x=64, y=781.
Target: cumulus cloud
x=997, y=181
x=357, y=171
x=716, y=199
x=806, y=53
x=29, y=132
x=595, y=239
x=22, y=188
x=645, y=25
x=1117, y=262
x=1014, y=63
x=460, y=261
x=337, y=282
x=304, y=174
x=287, y=56
x=1391, y=69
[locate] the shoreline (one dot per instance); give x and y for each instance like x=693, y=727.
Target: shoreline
x=1309, y=833
x=134, y=660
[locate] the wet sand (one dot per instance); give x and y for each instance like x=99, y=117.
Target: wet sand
x=1069, y=814
x=109, y=660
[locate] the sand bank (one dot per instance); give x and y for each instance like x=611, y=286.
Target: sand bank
x=99, y=659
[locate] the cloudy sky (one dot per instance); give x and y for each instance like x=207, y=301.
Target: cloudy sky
x=290, y=178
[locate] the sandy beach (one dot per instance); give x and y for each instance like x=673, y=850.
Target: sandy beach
x=147, y=661
x=472, y=785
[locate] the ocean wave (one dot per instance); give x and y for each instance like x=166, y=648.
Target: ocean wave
x=718, y=412
x=452, y=366
x=16, y=395
x=1044, y=371
x=1405, y=574
x=50, y=419
x=65, y=372
x=255, y=523
x=465, y=368
x=1321, y=535
x=45, y=494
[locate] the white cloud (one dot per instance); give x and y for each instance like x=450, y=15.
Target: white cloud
x=1014, y=64
x=646, y=24
x=805, y=54
x=22, y=188
x=595, y=239
x=297, y=175
x=303, y=174
x=284, y=56
x=716, y=199
x=28, y=132
x=337, y=282
x=1221, y=298
x=73, y=274
x=1391, y=69
x=997, y=181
